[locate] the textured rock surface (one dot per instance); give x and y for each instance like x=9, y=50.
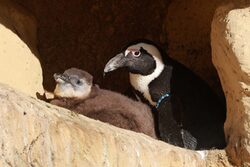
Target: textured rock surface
x=35, y=133
x=231, y=49
x=19, y=67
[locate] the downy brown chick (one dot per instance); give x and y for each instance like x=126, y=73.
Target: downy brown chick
x=76, y=92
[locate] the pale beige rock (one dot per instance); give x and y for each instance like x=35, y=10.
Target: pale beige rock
x=231, y=56
x=19, y=67
x=35, y=133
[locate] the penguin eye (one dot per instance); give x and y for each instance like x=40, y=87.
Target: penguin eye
x=78, y=82
x=136, y=53
x=75, y=80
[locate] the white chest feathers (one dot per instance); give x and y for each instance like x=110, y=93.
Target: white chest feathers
x=141, y=82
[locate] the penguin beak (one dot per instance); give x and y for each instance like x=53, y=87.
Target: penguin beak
x=116, y=62
x=60, y=78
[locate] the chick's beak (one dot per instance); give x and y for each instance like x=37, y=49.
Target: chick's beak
x=116, y=62
x=60, y=78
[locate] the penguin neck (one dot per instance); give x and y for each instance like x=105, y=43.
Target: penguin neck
x=141, y=82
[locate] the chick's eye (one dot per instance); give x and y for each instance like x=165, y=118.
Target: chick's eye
x=78, y=82
x=137, y=53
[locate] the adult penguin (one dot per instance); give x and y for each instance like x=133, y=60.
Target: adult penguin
x=189, y=114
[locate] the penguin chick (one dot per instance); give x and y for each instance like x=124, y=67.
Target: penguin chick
x=186, y=107
x=76, y=92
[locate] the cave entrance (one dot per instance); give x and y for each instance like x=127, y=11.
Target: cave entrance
x=86, y=34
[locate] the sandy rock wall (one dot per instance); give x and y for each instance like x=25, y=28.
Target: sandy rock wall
x=20, y=66
x=35, y=133
x=231, y=49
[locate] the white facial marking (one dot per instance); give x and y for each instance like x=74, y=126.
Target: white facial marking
x=150, y=48
x=135, y=52
x=140, y=82
x=67, y=90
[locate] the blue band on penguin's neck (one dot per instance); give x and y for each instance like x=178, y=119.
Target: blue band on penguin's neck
x=161, y=99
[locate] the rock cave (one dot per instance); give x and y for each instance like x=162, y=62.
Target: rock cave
x=39, y=38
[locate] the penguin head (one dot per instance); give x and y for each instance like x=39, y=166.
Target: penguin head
x=140, y=58
x=73, y=83
x=144, y=62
